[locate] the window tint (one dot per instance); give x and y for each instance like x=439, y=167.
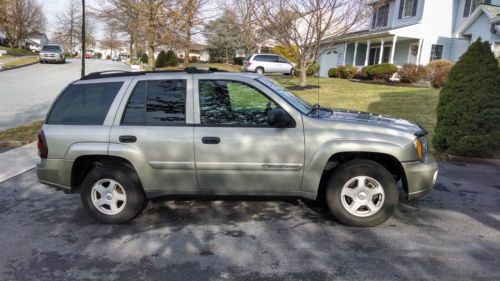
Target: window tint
x=266, y=58
x=157, y=102
x=282, y=60
x=228, y=103
x=436, y=52
x=84, y=104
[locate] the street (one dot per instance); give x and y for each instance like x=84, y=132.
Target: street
x=28, y=92
x=453, y=233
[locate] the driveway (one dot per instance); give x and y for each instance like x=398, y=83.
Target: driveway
x=26, y=93
x=451, y=234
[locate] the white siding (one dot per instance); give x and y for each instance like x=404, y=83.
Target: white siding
x=409, y=20
x=459, y=46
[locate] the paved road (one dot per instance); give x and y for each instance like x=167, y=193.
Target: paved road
x=26, y=93
x=452, y=234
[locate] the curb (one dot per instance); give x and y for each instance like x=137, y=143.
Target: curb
x=454, y=158
x=18, y=66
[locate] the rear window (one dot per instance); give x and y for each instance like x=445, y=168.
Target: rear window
x=84, y=104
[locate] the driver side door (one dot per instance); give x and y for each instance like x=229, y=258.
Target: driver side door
x=236, y=151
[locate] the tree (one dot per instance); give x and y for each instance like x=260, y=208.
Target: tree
x=111, y=36
x=468, y=112
x=171, y=58
x=245, y=12
x=161, y=60
x=21, y=18
x=223, y=37
x=301, y=25
x=190, y=12
x=68, y=24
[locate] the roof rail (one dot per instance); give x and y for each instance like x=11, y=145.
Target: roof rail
x=123, y=73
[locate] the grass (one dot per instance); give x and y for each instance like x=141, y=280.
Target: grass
x=18, y=52
x=19, y=61
x=414, y=104
x=21, y=134
x=220, y=66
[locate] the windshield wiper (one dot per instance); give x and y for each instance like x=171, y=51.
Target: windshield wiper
x=318, y=107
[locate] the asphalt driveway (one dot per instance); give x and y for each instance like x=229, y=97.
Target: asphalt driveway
x=451, y=234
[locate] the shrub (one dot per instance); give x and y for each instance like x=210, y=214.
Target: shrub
x=108, y=57
x=285, y=52
x=192, y=59
x=171, y=58
x=438, y=72
x=412, y=73
x=347, y=71
x=382, y=71
x=238, y=60
x=144, y=58
x=468, y=113
x=313, y=69
x=333, y=73
x=99, y=55
x=161, y=60
x=498, y=59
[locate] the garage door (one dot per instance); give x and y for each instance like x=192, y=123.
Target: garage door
x=327, y=60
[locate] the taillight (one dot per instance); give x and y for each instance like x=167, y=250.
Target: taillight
x=249, y=63
x=43, y=150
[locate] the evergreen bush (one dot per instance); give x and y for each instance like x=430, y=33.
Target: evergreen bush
x=382, y=71
x=144, y=58
x=468, y=113
x=171, y=58
x=333, y=73
x=161, y=60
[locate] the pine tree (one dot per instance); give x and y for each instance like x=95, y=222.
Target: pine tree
x=171, y=58
x=161, y=60
x=468, y=112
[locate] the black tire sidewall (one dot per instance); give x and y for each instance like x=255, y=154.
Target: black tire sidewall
x=350, y=170
x=127, y=179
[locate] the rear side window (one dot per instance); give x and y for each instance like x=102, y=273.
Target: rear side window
x=84, y=104
x=266, y=58
x=157, y=102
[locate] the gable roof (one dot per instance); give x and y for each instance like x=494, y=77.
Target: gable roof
x=491, y=11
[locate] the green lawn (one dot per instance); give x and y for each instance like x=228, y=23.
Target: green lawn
x=414, y=104
x=18, y=52
x=19, y=61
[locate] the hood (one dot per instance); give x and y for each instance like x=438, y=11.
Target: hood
x=376, y=120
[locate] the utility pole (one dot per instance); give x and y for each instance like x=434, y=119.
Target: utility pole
x=83, y=38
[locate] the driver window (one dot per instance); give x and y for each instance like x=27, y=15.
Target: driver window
x=230, y=103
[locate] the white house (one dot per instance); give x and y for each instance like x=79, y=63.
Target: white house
x=415, y=31
x=36, y=41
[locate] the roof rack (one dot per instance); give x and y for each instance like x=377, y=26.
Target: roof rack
x=124, y=73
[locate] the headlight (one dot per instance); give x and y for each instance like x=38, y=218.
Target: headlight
x=422, y=147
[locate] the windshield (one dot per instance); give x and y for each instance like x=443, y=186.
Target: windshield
x=49, y=48
x=295, y=101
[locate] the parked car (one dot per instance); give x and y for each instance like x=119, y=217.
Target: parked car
x=121, y=138
x=267, y=63
x=52, y=53
x=88, y=56
x=116, y=58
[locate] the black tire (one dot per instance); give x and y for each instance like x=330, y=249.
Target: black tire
x=349, y=170
x=128, y=179
x=259, y=70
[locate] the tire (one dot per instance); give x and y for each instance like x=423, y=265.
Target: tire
x=259, y=71
x=64, y=61
x=292, y=72
x=349, y=201
x=128, y=191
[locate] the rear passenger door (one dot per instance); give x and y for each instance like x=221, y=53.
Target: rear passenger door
x=154, y=130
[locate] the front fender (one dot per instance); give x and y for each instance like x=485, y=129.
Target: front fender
x=316, y=162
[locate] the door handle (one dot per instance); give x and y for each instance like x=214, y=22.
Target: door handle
x=127, y=139
x=210, y=140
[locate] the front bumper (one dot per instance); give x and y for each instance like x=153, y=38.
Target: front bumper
x=51, y=58
x=420, y=177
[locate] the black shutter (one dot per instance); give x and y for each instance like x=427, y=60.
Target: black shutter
x=467, y=8
x=374, y=20
x=401, y=7
x=488, y=2
x=415, y=6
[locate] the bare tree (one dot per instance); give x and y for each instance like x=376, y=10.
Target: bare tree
x=191, y=16
x=300, y=25
x=20, y=18
x=245, y=11
x=68, y=24
x=111, y=36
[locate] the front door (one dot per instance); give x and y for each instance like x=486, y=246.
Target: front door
x=155, y=124
x=236, y=151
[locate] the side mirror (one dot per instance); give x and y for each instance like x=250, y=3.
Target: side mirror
x=278, y=118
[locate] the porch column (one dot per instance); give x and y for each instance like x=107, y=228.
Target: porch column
x=367, y=52
x=381, y=51
x=393, y=49
x=345, y=53
x=355, y=53
x=420, y=45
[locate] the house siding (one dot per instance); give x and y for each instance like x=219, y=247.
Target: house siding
x=458, y=48
x=397, y=22
x=477, y=29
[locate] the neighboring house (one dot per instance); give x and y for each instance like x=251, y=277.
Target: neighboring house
x=198, y=51
x=36, y=41
x=415, y=31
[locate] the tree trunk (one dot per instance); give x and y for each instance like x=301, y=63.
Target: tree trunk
x=151, y=57
x=303, y=75
x=186, y=45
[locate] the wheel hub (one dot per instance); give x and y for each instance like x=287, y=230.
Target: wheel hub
x=362, y=196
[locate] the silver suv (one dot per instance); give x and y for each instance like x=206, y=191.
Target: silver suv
x=120, y=139
x=267, y=63
x=52, y=53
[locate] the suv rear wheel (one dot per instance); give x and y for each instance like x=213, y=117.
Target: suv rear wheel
x=112, y=195
x=362, y=193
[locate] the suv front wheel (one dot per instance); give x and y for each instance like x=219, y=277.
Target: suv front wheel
x=362, y=193
x=112, y=195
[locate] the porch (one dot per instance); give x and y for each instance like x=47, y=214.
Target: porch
x=362, y=52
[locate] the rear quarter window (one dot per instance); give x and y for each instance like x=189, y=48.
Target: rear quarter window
x=84, y=104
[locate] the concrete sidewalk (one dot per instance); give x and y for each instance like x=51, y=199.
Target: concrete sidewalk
x=17, y=161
